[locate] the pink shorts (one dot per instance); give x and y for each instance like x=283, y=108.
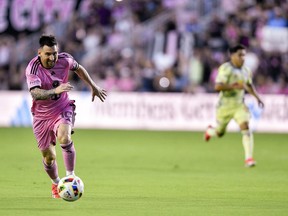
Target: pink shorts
x=45, y=131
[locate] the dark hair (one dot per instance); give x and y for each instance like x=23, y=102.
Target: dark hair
x=234, y=49
x=48, y=40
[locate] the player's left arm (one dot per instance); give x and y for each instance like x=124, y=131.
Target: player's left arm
x=95, y=89
x=249, y=87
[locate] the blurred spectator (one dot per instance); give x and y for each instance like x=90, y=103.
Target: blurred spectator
x=5, y=51
x=161, y=45
x=276, y=18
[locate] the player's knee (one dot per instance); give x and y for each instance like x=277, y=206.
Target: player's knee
x=221, y=133
x=244, y=126
x=49, y=159
x=64, y=139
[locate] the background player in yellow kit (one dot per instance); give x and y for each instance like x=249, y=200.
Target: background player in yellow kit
x=232, y=81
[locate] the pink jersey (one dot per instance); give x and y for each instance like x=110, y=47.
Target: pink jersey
x=38, y=76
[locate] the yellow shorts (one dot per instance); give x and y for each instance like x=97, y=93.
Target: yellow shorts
x=225, y=113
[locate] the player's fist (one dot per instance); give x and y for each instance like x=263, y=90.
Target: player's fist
x=238, y=85
x=63, y=87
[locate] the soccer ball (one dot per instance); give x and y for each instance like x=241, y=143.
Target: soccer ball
x=70, y=188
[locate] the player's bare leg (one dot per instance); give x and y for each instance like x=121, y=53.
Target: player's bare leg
x=248, y=144
x=51, y=168
x=67, y=145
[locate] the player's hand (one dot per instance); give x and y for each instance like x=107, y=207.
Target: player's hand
x=260, y=104
x=63, y=87
x=238, y=85
x=99, y=92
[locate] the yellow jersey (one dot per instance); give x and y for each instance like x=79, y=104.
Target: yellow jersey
x=228, y=74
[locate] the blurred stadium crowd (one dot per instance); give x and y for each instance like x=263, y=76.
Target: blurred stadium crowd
x=160, y=45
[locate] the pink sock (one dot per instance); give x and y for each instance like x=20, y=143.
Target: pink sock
x=69, y=156
x=51, y=170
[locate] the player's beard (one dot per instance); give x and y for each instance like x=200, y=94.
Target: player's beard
x=50, y=64
x=241, y=63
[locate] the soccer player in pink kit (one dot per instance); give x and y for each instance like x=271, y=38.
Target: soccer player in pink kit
x=52, y=110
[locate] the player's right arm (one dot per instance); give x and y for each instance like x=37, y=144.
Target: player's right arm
x=227, y=87
x=42, y=94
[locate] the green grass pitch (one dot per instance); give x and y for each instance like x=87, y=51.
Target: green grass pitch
x=137, y=173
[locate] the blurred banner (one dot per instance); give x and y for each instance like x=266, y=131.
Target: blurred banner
x=29, y=16
x=156, y=111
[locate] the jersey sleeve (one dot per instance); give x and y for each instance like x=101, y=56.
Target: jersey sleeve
x=33, y=81
x=31, y=75
x=73, y=64
x=223, y=74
